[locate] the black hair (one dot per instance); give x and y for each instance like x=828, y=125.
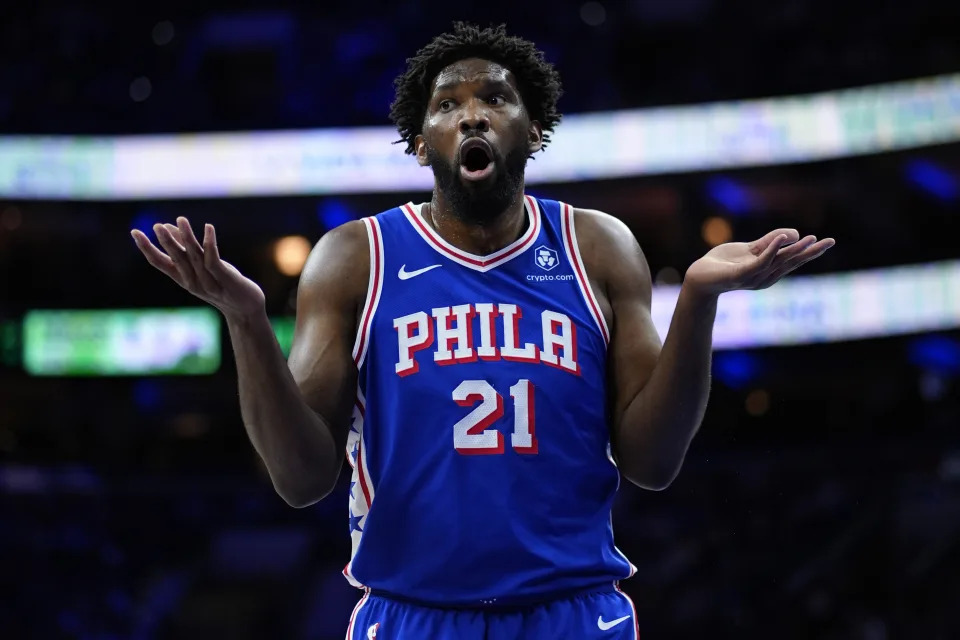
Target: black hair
x=538, y=81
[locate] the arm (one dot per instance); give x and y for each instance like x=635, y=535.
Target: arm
x=659, y=395
x=297, y=416
x=658, y=410
x=297, y=412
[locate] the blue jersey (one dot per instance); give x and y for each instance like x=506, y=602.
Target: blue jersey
x=480, y=437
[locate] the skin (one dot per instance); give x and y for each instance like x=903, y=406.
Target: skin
x=471, y=97
x=297, y=413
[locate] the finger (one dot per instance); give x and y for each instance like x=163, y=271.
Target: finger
x=175, y=234
x=187, y=238
x=195, y=254
x=790, y=250
x=762, y=244
x=154, y=256
x=812, y=252
x=790, y=253
x=168, y=237
x=211, y=254
x=769, y=254
x=177, y=253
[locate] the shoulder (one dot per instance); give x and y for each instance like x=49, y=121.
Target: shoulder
x=339, y=264
x=608, y=247
x=597, y=226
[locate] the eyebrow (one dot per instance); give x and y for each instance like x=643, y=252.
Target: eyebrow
x=487, y=84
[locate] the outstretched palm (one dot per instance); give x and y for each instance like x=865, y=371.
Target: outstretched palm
x=198, y=268
x=754, y=265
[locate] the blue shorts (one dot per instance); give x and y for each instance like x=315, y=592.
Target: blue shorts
x=602, y=615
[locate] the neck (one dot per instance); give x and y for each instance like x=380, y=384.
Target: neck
x=503, y=228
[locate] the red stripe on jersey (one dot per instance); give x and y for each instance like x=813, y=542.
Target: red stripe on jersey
x=532, y=232
x=371, y=302
x=363, y=478
x=359, y=465
x=581, y=272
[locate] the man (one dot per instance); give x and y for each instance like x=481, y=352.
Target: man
x=488, y=362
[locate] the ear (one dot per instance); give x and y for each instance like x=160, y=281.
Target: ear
x=421, y=147
x=535, y=136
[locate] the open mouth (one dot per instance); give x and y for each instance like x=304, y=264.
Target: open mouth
x=476, y=159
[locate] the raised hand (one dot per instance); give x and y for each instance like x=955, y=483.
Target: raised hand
x=199, y=269
x=753, y=265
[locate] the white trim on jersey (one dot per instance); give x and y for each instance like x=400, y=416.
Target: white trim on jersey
x=356, y=610
x=572, y=249
x=355, y=439
x=362, y=495
x=636, y=623
x=633, y=568
x=364, y=469
x=362, y=399
x=469, y=260
x=374, y=288
x=356, y=425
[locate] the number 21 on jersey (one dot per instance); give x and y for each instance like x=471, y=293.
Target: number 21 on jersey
x=472, y=435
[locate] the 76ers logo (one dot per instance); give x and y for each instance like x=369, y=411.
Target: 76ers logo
x=546, y=258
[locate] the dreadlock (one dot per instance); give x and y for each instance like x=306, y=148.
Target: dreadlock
x=538, y=81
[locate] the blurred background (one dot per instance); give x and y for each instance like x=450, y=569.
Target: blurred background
x=821, y=498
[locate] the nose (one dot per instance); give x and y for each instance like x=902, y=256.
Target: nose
x=474, y=119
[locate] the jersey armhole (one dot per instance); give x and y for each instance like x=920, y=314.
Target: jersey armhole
x=572, y=250
x=374, y=288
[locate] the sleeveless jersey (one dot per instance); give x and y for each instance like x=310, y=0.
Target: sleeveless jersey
x=480, y=439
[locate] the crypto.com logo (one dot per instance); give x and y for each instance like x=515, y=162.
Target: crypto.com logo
x=546, y=258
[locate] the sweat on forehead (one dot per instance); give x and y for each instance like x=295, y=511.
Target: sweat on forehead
x=472, y=70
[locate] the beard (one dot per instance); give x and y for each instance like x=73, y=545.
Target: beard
x=480, y=203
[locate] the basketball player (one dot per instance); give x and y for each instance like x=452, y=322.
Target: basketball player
x=486, y=363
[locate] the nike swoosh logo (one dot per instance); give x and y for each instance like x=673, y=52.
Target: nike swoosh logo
x=610, y=625
x=406, y=275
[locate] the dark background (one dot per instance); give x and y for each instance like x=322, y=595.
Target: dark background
x=136, y=508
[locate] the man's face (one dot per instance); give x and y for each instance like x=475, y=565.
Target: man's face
x=477, y=137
